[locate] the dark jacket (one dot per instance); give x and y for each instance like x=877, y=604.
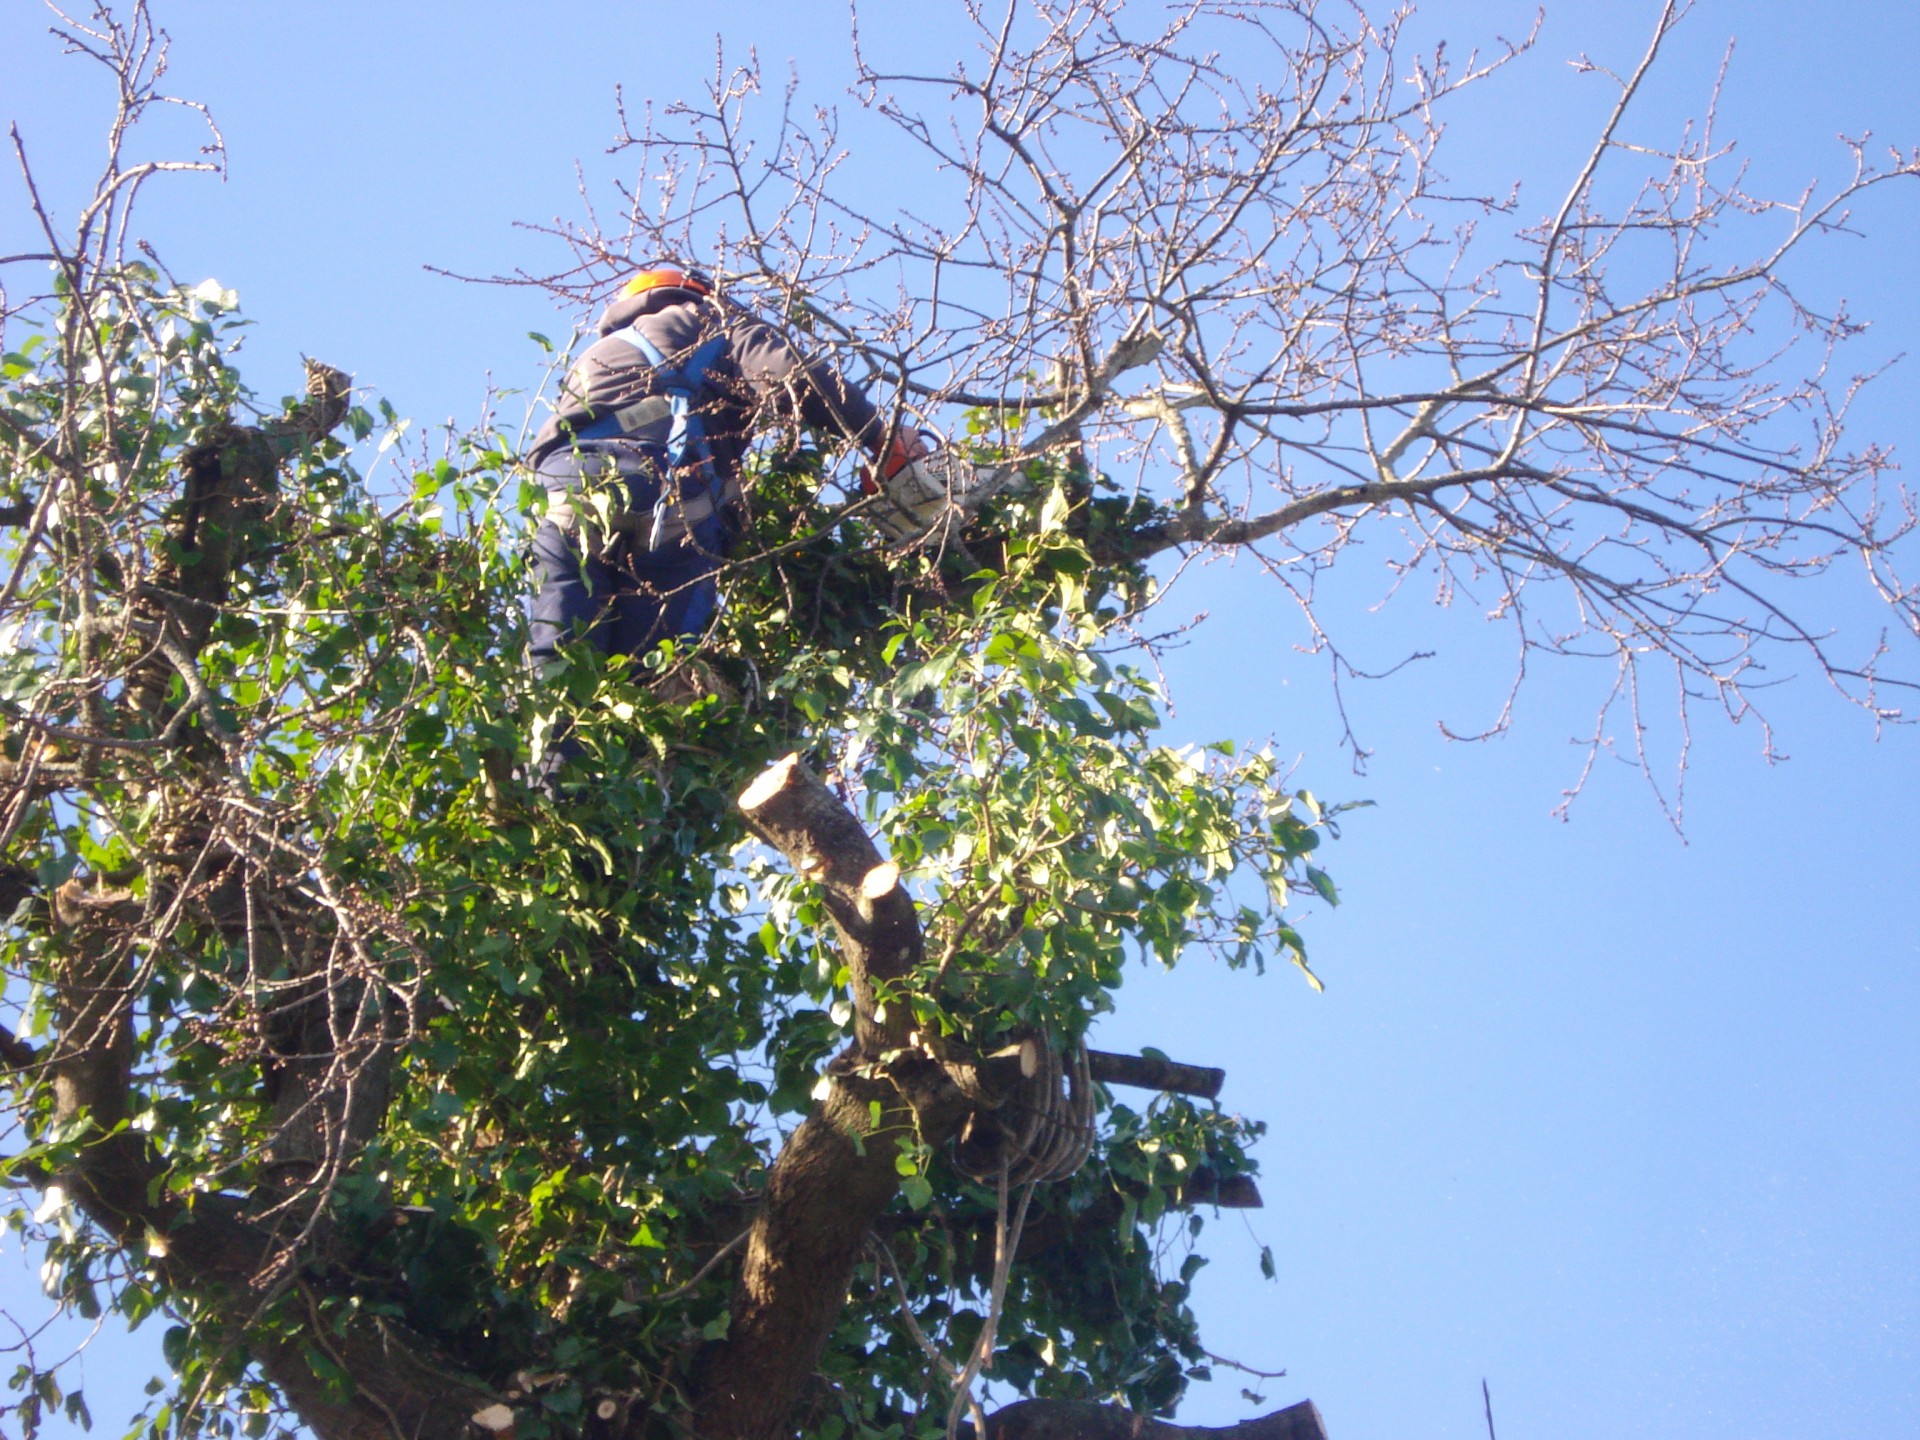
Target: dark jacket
x=757, y=375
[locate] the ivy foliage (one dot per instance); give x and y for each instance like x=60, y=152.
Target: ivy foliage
x=603, y=1011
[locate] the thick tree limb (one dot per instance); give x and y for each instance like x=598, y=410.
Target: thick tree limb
x=836, y=1174
x=206, y=1245
x=878, y=927
x=1223, y=1192
x=1148, y=1072
x=1194, y=527
x=1084, y=1420
x=217, y=1247
x=328, y=1078
x=230, y=478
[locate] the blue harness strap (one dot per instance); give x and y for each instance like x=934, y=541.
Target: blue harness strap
x=683, y=386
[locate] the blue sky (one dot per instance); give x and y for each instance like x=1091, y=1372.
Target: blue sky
x=1624, y=1123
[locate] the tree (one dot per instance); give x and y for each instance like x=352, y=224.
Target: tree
x=420, y=1104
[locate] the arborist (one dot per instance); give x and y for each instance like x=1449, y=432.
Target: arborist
x=641, y=463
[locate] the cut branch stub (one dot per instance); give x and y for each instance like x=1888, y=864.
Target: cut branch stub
x=1223, y=1192
x=830, y=1182
x=494, y=1420
x=1089, y=1420
x=1156, y=1072
x=878, y=927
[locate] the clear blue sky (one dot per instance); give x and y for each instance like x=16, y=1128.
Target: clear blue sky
x=1629, y=1126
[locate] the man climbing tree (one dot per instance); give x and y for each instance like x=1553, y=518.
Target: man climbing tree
x=641, y=462
x=750, y=1094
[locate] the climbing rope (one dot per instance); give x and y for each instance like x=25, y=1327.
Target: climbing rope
x=1040, y=1133
x=1043, y=1132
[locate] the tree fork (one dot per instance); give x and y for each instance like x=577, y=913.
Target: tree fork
x=836, y=1173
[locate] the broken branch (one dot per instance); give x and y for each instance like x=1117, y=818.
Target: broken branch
x=1086, y=1420
x=1156, y=1072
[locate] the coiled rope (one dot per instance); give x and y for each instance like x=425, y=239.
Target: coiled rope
x=1043, y=1132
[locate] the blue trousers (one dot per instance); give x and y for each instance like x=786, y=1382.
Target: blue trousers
x=624, y=602
x=621, y=597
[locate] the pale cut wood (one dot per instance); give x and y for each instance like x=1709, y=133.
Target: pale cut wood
x=769, y=782
x=496, y=1420
x=1027, y=1051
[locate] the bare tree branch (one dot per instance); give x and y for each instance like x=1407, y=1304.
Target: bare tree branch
x=1325, y=343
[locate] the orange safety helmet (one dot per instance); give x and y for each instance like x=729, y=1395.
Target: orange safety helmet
x=669, y=275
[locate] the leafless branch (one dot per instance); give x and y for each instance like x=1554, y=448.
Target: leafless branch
x=1245, y=295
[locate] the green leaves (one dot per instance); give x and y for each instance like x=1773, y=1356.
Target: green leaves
x=602, y=1013
x=1055, y=837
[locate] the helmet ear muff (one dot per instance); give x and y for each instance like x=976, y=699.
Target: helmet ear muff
x=668, y=277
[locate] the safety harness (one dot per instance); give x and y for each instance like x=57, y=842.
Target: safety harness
x=681, y=391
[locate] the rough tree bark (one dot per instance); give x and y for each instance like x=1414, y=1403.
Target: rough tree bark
x=328, y=1054
x=836, y=1175
x=217, y=1248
